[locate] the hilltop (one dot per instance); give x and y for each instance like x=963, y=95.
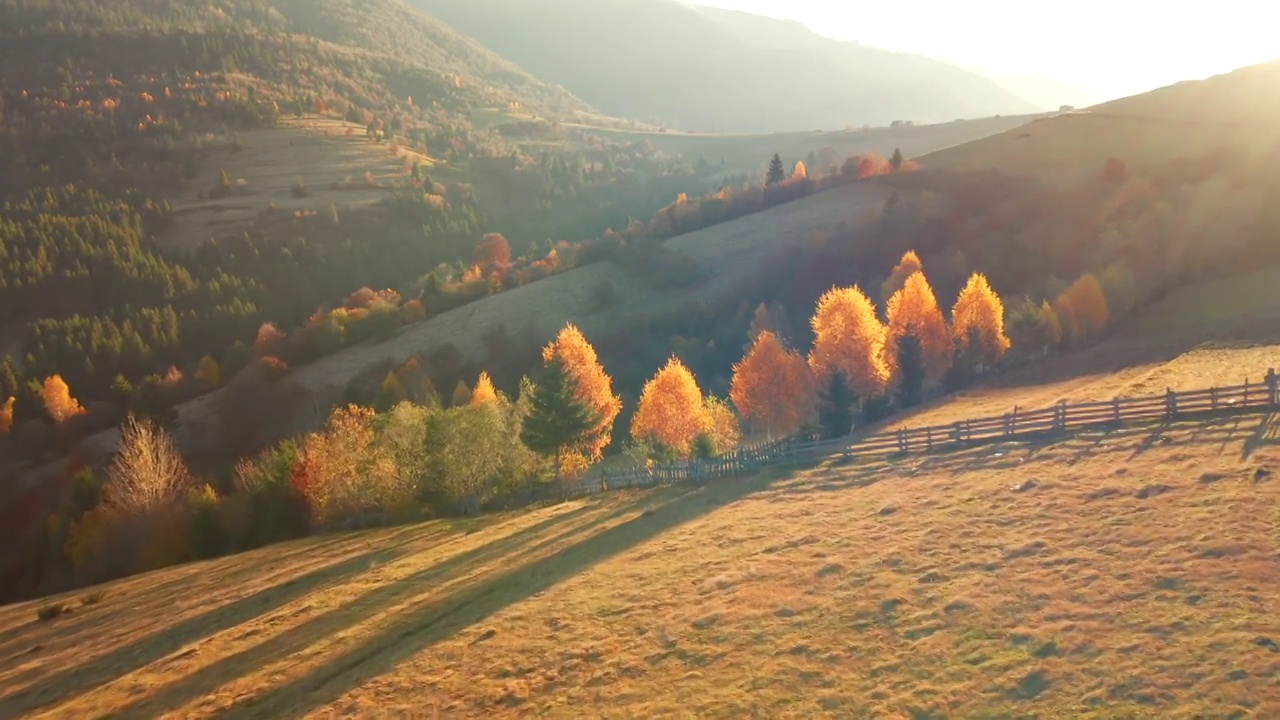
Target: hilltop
x=609, y=54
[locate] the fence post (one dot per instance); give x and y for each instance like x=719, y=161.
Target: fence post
x=1008, y=424
x=902, y=440
x=1213, y=398
x=1060, y=416
x=956, y=432
x=1171, y=403
x=1271, y=387
x=928, y=439
x=1115, y=409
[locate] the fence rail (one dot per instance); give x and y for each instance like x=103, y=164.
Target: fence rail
x=1016, y=424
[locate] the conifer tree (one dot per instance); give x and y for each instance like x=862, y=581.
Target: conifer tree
x=911, y=370
x=835, y=409
x=484, y=391
x=461, y=395
x=896, y=159
x=593, y=386
x=979, y=315
x=556, y=421
x=776, y=172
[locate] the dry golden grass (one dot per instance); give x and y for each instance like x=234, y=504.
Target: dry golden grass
x=1136, y=574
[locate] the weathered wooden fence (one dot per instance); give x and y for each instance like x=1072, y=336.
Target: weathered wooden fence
x=1061, y=418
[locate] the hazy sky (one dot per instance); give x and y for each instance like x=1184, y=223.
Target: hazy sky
x=1112, y=47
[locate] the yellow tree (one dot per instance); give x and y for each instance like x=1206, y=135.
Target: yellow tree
x=913, y=310
x=801, y=172
x=58, y=401
x=1090, y=305
x=722, y=424
x=1051, y=324
x=773, y=387
x=484, y=392
x=979, y=313
x=848, y=339
x=671, y=410
x=593, y=387
x=208, y=373
x=909, y=265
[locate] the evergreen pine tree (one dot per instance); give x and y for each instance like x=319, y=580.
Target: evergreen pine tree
x=896, y=159
x=776, y=172
x=556, y=420
x=835, y=411
x=911, y=370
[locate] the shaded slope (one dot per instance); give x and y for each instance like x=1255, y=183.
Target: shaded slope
x=722, y=71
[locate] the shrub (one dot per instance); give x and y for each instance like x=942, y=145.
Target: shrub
x=206, y=535
x=45, y=613
x=265, y=507
x=93, y=598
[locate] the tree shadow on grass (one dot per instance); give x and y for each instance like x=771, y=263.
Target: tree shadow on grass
x=1267, y=433
x=418, y=629
x=74, y=681
x=299, y=637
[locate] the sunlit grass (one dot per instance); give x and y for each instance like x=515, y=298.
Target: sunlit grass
x=1136, y=577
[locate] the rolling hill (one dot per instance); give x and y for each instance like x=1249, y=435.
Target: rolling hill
x=720, y=71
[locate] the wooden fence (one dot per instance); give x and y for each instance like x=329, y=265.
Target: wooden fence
x=1061, y=418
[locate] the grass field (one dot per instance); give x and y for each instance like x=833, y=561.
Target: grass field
x=1121, y=574
x=315, y=149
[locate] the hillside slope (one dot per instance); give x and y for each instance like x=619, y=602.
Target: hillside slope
x=717, y=70
x=1136, y=577
x=1236, y=115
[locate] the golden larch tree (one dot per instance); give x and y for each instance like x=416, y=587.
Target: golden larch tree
x=1090, y=305
x=671, y=410
x=484, y=392
x=773, y=387
x=722, y=424
x=593, y=386
x=913, y=310
x=979, y=311
x=848, y=338
x=6, y=416
x=801, y=172
x=58, y=401
x=1068, y=323
x=909, y=265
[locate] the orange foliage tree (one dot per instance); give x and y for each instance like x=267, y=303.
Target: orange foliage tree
x=801, y=172
x=979, y=313
x=671, y=410
x=594, y=389
x=58, y=401
x=773, y=387
x=849, y=339
x=1089, y=306
x=6, y=416
x=909, y=265
x=913, y=310
x=484, y=391
x=492, y=254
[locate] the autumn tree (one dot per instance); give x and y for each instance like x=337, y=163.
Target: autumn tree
x=909, y=265
x=461, y=395
x=208, y=374
x=268, y=341
x=58, y=402
x=801, y=172
x=773, y=387
x=772, y=318
x=721, y=433
x=484, y=391
x=593, y=387
x=978, y=315
x=671, y=411
x=390, y=393
x=776, y=173
x=492, y=254
x=6, y=416
x=1089, y=307
x=849, y=340
x=556, y=421
x=913, y=311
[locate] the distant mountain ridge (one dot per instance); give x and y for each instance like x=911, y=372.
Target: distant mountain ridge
x=719, y=70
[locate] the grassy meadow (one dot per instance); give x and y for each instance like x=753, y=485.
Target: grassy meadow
x=1113, y=574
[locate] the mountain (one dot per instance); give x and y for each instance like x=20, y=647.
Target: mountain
x=718, y=70
x=1049, y=93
